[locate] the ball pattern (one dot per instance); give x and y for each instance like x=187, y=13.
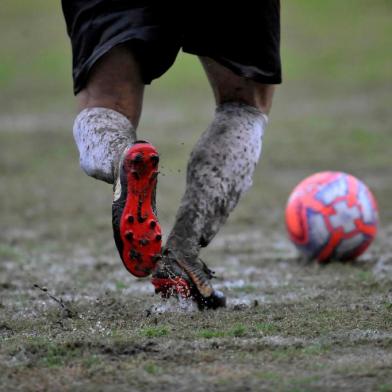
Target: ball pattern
x=331, y=215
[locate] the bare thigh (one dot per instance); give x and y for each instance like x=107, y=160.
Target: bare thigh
x=229, y=87
x=115, y=83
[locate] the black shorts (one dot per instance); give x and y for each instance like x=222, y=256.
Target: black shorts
x=244, y=38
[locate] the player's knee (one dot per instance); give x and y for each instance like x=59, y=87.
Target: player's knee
x=250, y=93
x=130, y=107
x=263, y=95
x=115, y=83
x=231, y=87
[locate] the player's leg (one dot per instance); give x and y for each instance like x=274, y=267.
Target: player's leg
x=220, y=170
x=222, y=163
x=117, y=48
x=110, y=106
x=244, y=46
x=105, y=133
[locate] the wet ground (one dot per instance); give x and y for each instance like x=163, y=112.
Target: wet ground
x=72, y=318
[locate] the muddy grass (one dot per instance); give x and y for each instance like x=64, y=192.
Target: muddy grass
x=72, y=318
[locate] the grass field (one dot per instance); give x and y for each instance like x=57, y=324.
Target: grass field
x=72, y=318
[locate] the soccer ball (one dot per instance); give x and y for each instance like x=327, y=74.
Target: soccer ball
x=331, y=215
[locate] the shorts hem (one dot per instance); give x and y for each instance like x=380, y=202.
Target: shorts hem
x=248, y=72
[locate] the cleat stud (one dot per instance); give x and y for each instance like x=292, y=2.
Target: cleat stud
x=154, y=159
x=153, y=224
x=144, y=242
x=135, y=174
x=158, y=237
x=133, y=254
x=137, y=158
x=130, y=219
x=129, y=235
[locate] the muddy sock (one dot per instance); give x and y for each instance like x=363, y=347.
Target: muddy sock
x=101, y=136
x=219, y=171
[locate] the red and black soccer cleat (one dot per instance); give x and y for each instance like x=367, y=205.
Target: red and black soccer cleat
x=169, y=279
x=136, y=230
x=189, y=279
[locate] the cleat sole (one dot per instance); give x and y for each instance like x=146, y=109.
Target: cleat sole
x=138, y=235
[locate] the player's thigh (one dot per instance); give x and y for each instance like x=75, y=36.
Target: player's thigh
x=227, y=86
x=118, y=47
x=115, y=82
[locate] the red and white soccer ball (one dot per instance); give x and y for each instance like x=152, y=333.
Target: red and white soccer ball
x=331, y=215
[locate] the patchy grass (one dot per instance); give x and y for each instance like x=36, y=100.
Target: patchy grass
x=238, y=331
x=267, y=328
x=209, y=334
x=155, y=332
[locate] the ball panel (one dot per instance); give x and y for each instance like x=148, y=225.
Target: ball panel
x=296, y=223
x=348, y=245
x=330, y=191
x=367, y=204
x=327, y=252
x=319, y=234
x=359, y=250
x=345, y=216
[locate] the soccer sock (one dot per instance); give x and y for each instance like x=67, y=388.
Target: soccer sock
x=101, y=136
x=220, y=170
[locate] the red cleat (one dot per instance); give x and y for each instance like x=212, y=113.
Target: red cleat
x=189, y=279
x=136, y=228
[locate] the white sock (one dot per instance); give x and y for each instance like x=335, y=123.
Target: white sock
x=220, y=170
x=101, y=136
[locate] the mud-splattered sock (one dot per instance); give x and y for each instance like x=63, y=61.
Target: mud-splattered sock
x=101, y=136
x=220, y=170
